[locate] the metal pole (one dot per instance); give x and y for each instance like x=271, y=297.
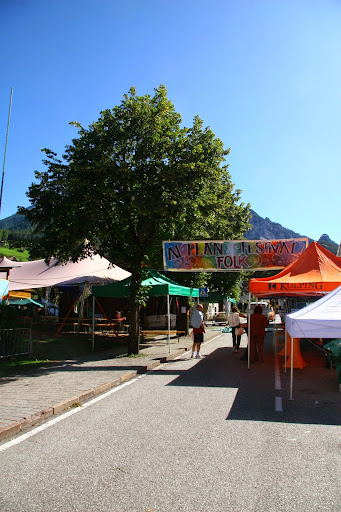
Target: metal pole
x=3, y=167
x=93, y=325
x=81, y=307
x=168, y=314
x=248, y=334
x=47, y=298
x=285, y=350
x=291, y=367
x=30, y=331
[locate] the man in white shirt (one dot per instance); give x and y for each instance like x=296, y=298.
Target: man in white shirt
x=197, y=322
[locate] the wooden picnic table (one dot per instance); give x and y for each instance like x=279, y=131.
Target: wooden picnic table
x=160, y=332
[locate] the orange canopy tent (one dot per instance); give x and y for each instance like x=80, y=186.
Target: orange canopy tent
x=316, y=272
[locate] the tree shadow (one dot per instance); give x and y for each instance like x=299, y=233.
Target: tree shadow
x=316, y=399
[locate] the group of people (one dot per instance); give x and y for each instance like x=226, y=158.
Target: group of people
x=258, y=323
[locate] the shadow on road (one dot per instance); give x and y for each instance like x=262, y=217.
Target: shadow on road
x=316, y=399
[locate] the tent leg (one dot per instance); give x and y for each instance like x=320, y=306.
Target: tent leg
x=248, y=334
x=168, y=315
x=291, y=367
x=81, y=307
x=93, y=325
x=67, y=316
x=285, y=349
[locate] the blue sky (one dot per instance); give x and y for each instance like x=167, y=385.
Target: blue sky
x=265, y=75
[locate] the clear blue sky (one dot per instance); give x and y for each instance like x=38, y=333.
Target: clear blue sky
x=265, y=75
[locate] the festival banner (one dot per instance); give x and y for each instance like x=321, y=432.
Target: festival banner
x=231, y=255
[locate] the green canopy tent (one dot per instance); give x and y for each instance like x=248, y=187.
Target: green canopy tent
x=157, y=285
x=25, y=302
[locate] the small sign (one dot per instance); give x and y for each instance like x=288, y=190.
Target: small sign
x=20, y=294
x=203, y=292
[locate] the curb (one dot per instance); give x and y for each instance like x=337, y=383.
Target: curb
x=16, y=428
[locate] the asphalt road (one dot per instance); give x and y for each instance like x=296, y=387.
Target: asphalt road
x=192, y=435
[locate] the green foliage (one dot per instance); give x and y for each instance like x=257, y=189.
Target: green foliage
x=20, y=253
x=8, y=317
x=4, y=235
x=135, y=177
x=132, y=178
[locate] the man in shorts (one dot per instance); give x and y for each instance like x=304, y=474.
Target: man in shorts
x=197, y=322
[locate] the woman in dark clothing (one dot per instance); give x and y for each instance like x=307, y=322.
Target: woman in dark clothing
x=258, y=323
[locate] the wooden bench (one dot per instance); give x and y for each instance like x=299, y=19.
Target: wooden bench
x=98, y=326
x=160, y=333
x=83, y=324
x=110, y=327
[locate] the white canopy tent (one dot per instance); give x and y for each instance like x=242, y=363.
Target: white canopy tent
x=91, y=270
x=321, y=319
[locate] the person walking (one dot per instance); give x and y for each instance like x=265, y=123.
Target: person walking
x=233, y=321
x=258, y=323
x=197, y=322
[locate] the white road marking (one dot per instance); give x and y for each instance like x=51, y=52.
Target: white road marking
x=278, y=404
x=67, y=414
x=277, y=373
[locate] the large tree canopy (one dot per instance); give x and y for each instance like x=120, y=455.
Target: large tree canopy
x=134, y=178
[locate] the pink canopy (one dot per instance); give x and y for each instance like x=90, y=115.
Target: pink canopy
x=36, y=274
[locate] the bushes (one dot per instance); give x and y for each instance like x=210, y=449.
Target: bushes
x=9, y=317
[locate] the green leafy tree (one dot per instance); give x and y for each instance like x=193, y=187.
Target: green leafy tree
x=134, y=178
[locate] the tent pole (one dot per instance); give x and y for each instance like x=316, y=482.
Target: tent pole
x=108, y=319
x=248, y=334
x=168, y=316
x=47, y=298
x=67, y=316
x=81, y=307
x=291, y=367
x=285, y=350
x=93, y=325
x=3, y=167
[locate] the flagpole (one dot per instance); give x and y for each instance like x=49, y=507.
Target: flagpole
x=3, y=167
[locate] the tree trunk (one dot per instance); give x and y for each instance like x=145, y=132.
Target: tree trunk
x=134, y=329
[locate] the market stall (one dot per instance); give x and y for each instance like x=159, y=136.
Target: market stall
x=156, y=284
x=314, y=274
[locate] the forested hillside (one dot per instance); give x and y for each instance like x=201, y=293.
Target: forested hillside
x=17, y=228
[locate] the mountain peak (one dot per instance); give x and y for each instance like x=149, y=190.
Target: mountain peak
x=324, y=238
x=262, y=229
x=265, y=228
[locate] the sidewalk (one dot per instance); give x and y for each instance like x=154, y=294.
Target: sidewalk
x=30, y=399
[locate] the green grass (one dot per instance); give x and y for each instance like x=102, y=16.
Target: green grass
x=19, y=255
x=20, y=365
